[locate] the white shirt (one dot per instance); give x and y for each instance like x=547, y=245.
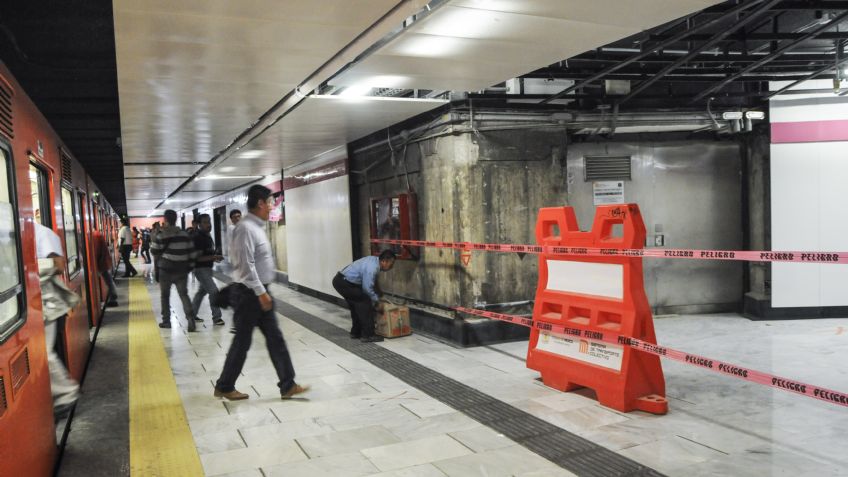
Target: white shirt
x=47, y=242
x=250, y=254
x=125, y=235
x=229, y=239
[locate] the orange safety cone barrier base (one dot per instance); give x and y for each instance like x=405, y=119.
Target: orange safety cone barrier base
x=592, y=294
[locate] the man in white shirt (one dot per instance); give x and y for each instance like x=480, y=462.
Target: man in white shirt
x=48, y=246
x=254, y=270
x=125, y=240
x=235, y=217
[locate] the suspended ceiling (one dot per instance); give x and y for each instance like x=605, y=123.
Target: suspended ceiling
x=193, y=76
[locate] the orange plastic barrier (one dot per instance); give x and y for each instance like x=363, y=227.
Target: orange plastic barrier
x=594, y=294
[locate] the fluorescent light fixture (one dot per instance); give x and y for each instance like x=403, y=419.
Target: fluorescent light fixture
x=731, y=115
x=431, y=46
x=253, y=154
x=755, y=115
x=215, y=177
x=356, y=90
x=467, y=23
x=227, y=169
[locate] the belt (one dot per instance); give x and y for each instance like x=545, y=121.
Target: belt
x=348, y=281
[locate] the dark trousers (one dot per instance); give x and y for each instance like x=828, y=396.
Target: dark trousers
x=247, y=315
x=126, y=250
x=361, y=313
x=145, y=254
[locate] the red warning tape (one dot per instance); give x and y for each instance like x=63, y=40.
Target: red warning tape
x=691, y=254
x=715, y=365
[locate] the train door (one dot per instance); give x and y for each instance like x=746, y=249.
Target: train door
x=92, y=279
x=219, y=224
x=26, y=417
x=40, y=190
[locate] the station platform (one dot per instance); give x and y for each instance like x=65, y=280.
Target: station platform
x=415, y=406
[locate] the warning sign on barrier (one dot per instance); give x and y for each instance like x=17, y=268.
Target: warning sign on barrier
x=601, y=354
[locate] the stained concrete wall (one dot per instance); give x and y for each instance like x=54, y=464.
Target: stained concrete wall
x=487, y=187
x=483, y=187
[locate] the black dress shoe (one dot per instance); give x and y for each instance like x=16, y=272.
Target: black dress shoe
x=164, y=325
x=355, y=336
x=112, y=303
x=371, y=339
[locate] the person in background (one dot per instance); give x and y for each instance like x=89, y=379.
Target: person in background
x=125, y=240
x=175, y=255
x=56, y=302
x=235, y=216
x=355, y=283
x=205, y=247
x=145, y=245
x=250, y=253
x=136, y=241
x=192, y=228
x=103, y=261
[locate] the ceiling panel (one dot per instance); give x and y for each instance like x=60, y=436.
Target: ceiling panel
x=194, y=74
x=597, y=11
x=219, y=184
x=151, y=187
x=322, y=123
x=469, y=45
x=163, y=169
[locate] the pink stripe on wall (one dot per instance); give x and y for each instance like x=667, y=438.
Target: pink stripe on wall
x=809, y=131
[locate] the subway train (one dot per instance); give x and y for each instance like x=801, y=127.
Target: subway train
x=40, y=180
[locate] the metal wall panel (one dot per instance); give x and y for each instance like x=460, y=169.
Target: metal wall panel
x=690, y=193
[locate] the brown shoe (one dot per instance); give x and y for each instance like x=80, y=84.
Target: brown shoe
x=294, y=391
x=232, y=395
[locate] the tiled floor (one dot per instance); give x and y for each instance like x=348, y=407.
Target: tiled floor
x=360, y=420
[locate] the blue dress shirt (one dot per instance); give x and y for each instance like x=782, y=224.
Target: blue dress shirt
x=364, y=272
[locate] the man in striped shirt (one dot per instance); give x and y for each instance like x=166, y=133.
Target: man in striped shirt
x=175, y=255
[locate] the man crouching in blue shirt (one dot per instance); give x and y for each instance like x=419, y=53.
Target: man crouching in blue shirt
x=355, y=283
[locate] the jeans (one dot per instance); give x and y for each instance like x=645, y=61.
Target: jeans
x=145, y=254
x=247, y=315
x=206, y=285
x=166, y=279
x=126, y=250
x=110, y=282
x=62, y=387
x=359, y=303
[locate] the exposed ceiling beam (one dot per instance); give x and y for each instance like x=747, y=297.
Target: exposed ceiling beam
x=658, y=47
x=781, y=50
x=717, y=38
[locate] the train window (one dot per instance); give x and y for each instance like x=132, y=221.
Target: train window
x=40, y=196
x=11, y=288
x=71, y=230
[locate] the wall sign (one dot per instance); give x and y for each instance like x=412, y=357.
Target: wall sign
x=608, y=192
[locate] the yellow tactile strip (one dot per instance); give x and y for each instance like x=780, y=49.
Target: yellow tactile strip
x=161, y=443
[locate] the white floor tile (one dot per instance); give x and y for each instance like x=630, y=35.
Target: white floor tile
x=411, y=453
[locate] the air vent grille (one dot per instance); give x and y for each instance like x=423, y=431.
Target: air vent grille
x=4, y=404
x=67, y=172
x=19, y=370
x=607, y=168
x=6, y=110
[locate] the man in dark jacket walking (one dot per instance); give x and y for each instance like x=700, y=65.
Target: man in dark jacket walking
x=175, y=255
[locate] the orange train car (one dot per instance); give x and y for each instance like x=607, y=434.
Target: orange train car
x=40, y=180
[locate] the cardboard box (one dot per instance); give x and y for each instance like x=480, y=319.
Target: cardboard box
x=393, y=321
